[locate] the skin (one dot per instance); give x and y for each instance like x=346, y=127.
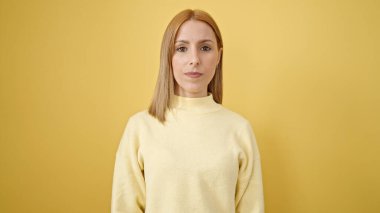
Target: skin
x=196, y=50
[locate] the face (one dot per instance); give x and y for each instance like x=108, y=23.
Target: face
x=195, y=58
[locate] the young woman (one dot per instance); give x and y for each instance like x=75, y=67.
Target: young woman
x=188, y=153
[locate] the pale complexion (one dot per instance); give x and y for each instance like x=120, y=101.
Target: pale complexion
x=195, y=59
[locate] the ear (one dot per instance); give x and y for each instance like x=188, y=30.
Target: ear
x=220, y=54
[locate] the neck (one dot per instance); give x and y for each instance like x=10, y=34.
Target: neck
x=195, y=105
x=180, y=92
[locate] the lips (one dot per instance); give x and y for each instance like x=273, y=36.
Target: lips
x=193, y=74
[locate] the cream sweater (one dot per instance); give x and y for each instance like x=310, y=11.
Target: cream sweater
x=203, y=159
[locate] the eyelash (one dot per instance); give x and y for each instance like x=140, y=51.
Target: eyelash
x=178, y=49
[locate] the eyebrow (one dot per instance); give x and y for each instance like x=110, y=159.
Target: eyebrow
x=201, y=41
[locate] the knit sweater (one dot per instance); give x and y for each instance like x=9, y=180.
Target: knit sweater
x=204, y=158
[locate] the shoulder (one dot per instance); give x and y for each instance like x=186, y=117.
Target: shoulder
x=140, y=115
x=141, y=119
x=246, y=138
x=234, y=117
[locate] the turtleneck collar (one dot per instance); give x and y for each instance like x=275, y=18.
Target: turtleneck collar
x=196, y=105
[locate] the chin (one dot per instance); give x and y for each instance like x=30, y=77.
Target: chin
x=194, y=89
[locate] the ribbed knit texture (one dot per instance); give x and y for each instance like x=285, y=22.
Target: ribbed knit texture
x=203, y=159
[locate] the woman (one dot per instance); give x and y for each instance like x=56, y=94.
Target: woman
x=188, y=153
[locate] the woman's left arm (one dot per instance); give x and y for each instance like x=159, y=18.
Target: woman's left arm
x=249, y=197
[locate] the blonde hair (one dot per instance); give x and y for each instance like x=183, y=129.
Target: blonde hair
x=165, y=84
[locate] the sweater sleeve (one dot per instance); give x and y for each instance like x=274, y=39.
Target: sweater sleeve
x=128, y=187
x=249, y=197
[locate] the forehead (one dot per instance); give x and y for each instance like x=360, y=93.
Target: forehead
x=193, y=30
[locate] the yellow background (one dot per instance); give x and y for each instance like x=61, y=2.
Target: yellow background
x=305, y=73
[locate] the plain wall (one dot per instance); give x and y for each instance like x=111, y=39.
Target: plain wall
x=305, y=73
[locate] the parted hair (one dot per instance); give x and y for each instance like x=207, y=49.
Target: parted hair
x=165, y=84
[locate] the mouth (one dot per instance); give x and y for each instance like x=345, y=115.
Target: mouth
x=193, y=74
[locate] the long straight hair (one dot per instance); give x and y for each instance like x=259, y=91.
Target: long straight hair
x=165, y=84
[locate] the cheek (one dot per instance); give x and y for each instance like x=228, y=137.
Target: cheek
x=177, y=63
x=177, y=68
x=211, y=62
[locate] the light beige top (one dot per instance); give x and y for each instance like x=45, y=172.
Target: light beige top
x=203, y=159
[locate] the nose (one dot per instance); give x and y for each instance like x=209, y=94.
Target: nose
x=194, y=58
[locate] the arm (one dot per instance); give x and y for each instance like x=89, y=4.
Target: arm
x=128, y=187
x=249, y=196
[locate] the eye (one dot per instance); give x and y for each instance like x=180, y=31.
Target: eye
x=205, y=48
x=181, y=49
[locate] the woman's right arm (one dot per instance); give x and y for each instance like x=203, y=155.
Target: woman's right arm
x=128, y=187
